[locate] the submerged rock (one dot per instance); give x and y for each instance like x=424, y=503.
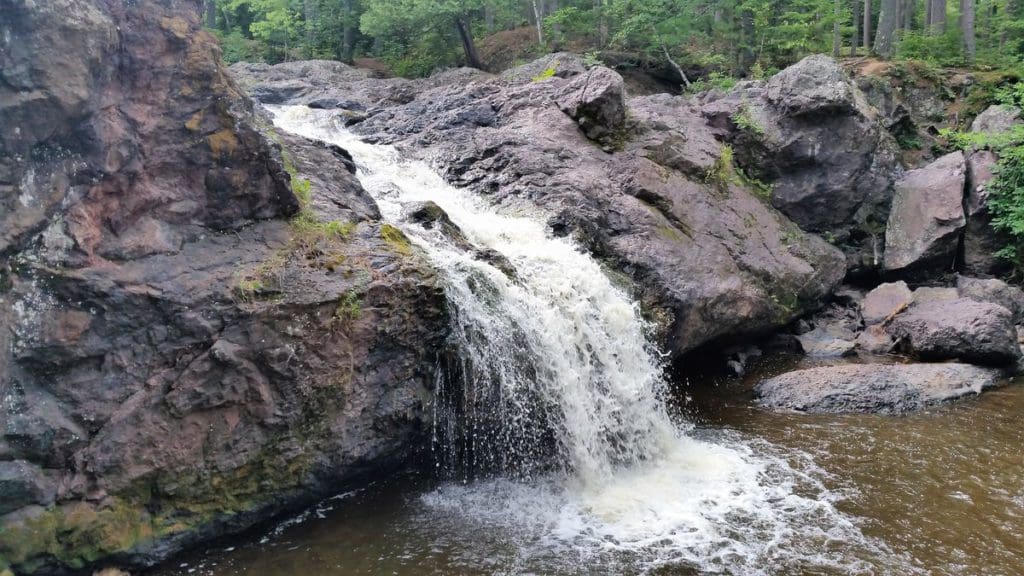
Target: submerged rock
x=882, y=388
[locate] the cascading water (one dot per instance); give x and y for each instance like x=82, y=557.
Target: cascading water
x=553, y=385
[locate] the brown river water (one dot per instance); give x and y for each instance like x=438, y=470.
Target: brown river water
x=937, y=492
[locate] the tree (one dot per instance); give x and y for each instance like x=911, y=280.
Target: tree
x=888, y=22
x=405, y=21
x=866, y=28
x=936, y=16
x=967, y=28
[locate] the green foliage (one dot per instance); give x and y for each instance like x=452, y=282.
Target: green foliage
x=547, y=74
x=744, y=120
x=348, y=310
x=395, y=239
x=1006, y=189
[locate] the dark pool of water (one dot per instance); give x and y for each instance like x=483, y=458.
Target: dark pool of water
x=940, y=491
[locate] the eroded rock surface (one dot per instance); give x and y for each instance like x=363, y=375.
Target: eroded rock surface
x=964, y=329
x=882, y=388
x=657, y=196
x=183, y=351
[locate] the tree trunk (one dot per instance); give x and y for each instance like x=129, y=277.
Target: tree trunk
x=310, y=16
x=348, y=33
x=887, y=24
x=907, y=21
x=556, y=29
x=489, y=17
x=937, y=25
x=855, y=37
x=468, y=47
x=837, y=39
x=538, y=16
x=866, y=28
x=602, y=24
x=679, y=69
x=211, y=14
x=967, y=28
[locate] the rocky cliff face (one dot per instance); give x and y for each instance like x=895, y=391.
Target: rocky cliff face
x=645, y=183
x=188, y=346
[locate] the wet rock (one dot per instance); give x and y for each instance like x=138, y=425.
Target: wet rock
x=23, y=484
x=962, y=329
x=996, y=119
x=993, y=291
x=709, y=258
x=881, y=388
x=885, y=301
x=927, y=217
x=596, y=100
x=175, y=344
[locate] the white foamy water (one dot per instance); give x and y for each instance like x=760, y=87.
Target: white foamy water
x=550, y=406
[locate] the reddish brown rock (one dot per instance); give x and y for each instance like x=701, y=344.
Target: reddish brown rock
x=927, y=217
x=179, y=360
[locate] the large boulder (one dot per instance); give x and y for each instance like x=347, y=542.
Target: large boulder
x=810, y=135
x=882, y=388
x=180, y=358
x=927, y=217
x=661, y=201
x=980, y=241
x=996, y=119
x=597, y=101
x=964, y=329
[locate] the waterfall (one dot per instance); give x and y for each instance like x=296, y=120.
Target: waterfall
x=550, y=398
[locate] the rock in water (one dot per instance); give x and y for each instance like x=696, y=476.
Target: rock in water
x=883, y=388
x=178, y=359
x=927, y=217
x=961, y=329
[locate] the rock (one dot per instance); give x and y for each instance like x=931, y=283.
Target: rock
x=596, y=100
x=709, y=258
x=963, y=329
x=885, y=301
x=820, y=343
x=935, y=294
x=874, y=340
x=996, y=119
x=560, y=64
x=23, y=484
x=980, y=241
x=815, y=85
x=927, y=217
x=784, y=133
x=882, y=388
x=995, y=292
x=179, y=355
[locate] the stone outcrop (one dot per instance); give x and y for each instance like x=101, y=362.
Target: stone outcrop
x=660, y=200
x=927, y=218
x=188, y=346
x=882, y=388
x=993, y=291
x=810, y=134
